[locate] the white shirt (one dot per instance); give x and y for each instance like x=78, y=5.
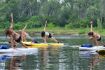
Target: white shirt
x=47, y=33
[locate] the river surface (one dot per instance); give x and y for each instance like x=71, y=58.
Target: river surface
x=62, y=58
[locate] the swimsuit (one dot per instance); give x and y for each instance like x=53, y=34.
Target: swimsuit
x=19, y=39
x=99, y=39
x=43, y=34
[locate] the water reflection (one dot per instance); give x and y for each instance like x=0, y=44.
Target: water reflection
x=63, y=58
x=15, y=62
x=98, y=63
x=69, y=58
x=3, y=59
x=49, y=58
x=10, y=62
x=92, y=62
x=59, y=58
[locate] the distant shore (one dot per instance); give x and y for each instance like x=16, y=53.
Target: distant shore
x=61, y=31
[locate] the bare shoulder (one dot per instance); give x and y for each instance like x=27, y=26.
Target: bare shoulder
x=96, y=34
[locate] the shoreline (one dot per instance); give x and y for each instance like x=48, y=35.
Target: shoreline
x=60, y=31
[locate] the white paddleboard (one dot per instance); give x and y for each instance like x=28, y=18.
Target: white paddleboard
x=19, y=50
x=94, y=48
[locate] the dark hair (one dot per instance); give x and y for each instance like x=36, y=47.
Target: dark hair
x=90, y=33
x=43, y=34
x=8, y=32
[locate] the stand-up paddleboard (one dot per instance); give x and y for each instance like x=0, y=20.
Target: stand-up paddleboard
x=41, y=45
x=19, y=50
x=101, y=52
x=89, y=47
x=5, y=48
x=6, y=56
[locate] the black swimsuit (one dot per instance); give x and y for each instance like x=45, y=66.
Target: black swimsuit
x=19, y=39
x=99, y=39
x=43, y=34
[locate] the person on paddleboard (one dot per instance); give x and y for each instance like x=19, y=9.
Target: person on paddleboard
x=46, y=35
x=93, y=36
x=15, y=37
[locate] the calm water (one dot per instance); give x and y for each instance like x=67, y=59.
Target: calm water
x=63, y=58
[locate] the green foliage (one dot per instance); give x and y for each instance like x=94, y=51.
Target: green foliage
x=4, y=25
x=33, y=22
x=51, y=25
x=82, y=31
x=67, y=13
x=18, y=26
x=69, y=25
x=84, y=23
x=99, y=24
x=72, y=25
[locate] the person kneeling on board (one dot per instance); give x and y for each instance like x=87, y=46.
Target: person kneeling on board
x=93, y=36
x=47, y=35
x=15, y=37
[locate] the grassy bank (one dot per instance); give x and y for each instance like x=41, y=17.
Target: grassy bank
x=65, y=31
x=62, y=31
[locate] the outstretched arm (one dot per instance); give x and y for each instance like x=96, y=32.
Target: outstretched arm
x=91, y=29
x=11, y=20
x=45, y=26
x=91, y=26
x=24, y=27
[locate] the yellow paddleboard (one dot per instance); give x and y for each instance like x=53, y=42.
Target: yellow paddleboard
x=41, y=45
x=101, y=52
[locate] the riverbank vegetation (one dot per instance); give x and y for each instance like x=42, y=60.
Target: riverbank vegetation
x=60, y=31
x=63, y=16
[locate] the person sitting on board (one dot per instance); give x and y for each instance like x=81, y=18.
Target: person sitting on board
x=93, y=36
x=46, y=35
x=15, y=37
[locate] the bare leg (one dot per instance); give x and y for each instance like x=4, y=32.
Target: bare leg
x=54, y=40
x=23, y=35
x=24, y=46
x=95, y=42
x=13, y=45
x=12, y=42
x=101, y=43
x=45, y=39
